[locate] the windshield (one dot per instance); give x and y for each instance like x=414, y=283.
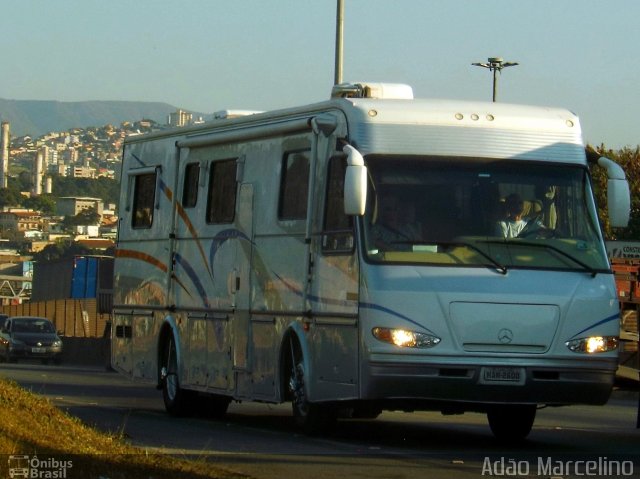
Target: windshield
x=497, y=213
x=32, y=325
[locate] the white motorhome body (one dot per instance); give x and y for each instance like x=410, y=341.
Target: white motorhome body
x=238, y=274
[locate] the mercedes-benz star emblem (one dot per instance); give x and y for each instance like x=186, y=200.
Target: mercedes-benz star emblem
x=505, y=336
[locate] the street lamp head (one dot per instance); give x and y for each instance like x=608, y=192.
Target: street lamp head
x=495, y=65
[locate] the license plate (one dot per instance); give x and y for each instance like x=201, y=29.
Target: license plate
x=493, y=375
x=38, y=350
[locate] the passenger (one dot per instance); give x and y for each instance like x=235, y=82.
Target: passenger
x=512, y=224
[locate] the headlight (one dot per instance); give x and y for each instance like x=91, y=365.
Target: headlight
x=404, y=338
x=57, y=343
x=593, y=344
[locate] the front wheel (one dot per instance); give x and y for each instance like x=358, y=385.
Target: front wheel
x=511, y=422
x=313, y=418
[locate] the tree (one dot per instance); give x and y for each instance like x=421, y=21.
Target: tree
x=106, y=189
x=46, y=204
x=9, y=197
x=86, y=217
x=629, y=160
x=61, y=250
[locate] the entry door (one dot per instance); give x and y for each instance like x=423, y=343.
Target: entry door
x=334, y=284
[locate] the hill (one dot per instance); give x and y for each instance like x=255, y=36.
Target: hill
x=37, y=117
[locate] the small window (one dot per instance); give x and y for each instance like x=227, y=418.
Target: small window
x=294, y=186
x=190, y=186
x=221, y=204
x=338, y=227
x=335, y=219
x=144, y=196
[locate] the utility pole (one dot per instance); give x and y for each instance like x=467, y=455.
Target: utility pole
x=339, y=42
x=495, y=65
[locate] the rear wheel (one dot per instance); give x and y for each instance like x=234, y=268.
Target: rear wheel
x=313, y=418
x=511, y=422
x=177, y=401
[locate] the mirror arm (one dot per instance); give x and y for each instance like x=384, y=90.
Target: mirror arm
x=614, y=170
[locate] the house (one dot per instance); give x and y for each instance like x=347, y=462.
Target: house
x=20, y=220
x=72, y=205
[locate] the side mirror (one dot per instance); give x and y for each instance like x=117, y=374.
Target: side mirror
x=355, y=183
x=618, y=195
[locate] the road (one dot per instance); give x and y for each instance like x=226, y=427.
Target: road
x=261, y=440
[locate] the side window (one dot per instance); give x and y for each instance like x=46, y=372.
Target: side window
x=190, y=186
x=338, y=227
x=334, y=216
x=294, y=186
x=221, y=199
x=144, y=195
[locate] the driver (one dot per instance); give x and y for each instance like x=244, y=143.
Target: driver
x=512, y=224
x=395, y=228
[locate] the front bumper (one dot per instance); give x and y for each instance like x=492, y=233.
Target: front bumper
x=552, y=382
x=39, y=352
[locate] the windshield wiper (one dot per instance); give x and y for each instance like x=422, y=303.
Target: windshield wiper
x=517, y=242
x=501, y=268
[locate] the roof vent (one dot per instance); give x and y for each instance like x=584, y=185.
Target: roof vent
x=382, y=91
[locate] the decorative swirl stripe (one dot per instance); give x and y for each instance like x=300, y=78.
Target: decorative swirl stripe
x=614, y=317
x=193, y=276
x=147, y=258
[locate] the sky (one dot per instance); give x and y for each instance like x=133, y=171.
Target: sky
x=210, y=55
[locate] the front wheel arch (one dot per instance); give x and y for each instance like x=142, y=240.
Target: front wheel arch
x=312, y=417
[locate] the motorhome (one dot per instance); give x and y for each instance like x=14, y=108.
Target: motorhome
x=363, y=254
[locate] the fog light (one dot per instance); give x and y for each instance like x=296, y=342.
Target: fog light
x=593, y=344
x=404, y=338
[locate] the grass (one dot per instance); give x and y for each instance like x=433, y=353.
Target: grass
x=31, y=425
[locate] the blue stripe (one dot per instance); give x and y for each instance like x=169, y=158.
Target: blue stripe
x=138, y=159
x=193, y=276
x=599, y=323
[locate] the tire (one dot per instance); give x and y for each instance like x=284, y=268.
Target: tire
x=177, y=401
x=213, y=406
x=9, y=358
x=511, y=422
x=312, y=418
x=365, y=411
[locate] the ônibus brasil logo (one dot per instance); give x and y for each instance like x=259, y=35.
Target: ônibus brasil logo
x=34, y=467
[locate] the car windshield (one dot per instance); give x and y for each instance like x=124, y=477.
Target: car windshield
x=32, y=325
x=471, y=211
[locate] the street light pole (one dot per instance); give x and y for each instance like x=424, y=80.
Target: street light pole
x=339, y=42
x=495, y=65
